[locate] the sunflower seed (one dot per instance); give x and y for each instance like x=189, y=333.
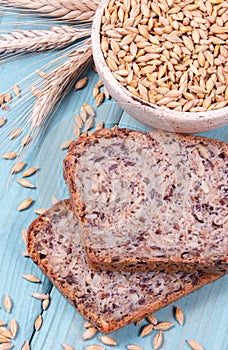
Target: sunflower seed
x=89, y=333
x=17, y=167
x=26, y=346
x=67, y=347
x=81, y=83
x=13, y=326
x=31, y=278
x=38, y=323
x=194, y=345
x=30, y=171
x=15, y=133
x=25, y=204
x=17, y=90
x=179, y=315
x=10, y=155
x=158, y=339
x=134, y=347
x=66, y=144
x=7, y=303
x=163, y=326
x=107, y=340
x=146, y=330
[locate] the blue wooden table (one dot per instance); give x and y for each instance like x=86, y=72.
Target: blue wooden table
x=206, y=311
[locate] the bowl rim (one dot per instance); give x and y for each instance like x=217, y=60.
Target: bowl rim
x=99, y=60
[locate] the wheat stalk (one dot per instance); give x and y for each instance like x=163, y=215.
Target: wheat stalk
x=40, y=40
x=67, y=10
x=59, y=83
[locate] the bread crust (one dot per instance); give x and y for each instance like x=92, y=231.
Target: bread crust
x=46, y=237
x=106, y=258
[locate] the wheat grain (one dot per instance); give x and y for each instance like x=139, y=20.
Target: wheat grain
x=66, y=144
x=25, y=183
x=38, y=323
x=163, y=326
x=25, y=204
x=10, y=155
x=89, y=333
x=58, y=83
x=7, y=303
x=40, y=211
x=194, y=345
x=158, y=339
x=40, y=296
x=67, y=347
x=31, y=278
x=134, y=347
x=13, y=326
x=45, y=303
x=2, y=121
x=17, y=167
x=5, y=332
x=179, y=315
x=146, y=330
x=15, y=133
x=30, y=171
x=67, y=10
x=17, y=90
x=26, y=345
x=80, y=84
x=107, y=340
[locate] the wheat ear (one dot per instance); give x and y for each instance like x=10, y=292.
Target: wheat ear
x=59, y=83
x=67, y=10
x=40, y=40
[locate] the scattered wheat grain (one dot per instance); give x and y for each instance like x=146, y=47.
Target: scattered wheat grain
x=10, y=155
x=194, y=345
x=134, y=347
x=15, y=133
x=30, y=171
x=31, y=278
x=26, y=140
x=107, y=340
x=152, y=319
x=66, y=144
x=42, y=74
x=94, y=347
x=163, y=326
x=80, y=84
x=17, y=90
x=5, y=332
x=89, y=333
x=17, y=167
x=89, y=123
x=25, y=183
x=89, y=109
x=67, y=347
x=13, y=326
x=179, y=315
x=45, y=303
x=7, y=302
x=99, y=98
x=26, y=345
x=25, y=204
x=2, y=121
x=35, y=91
x=6, y=346
x=38, y=323
x=146, y=330
x=40, y=211
x=158, y=339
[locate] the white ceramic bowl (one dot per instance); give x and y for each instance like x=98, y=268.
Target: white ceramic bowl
x=150, y=114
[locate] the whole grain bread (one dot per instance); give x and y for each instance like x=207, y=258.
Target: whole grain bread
x=150, y=201
x=109, y=300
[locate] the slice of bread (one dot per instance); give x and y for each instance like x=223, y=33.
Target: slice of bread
x=109, y=300
x=150, y=201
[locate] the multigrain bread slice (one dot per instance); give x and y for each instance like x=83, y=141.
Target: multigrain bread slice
x=109, y=300
x=150, y=201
